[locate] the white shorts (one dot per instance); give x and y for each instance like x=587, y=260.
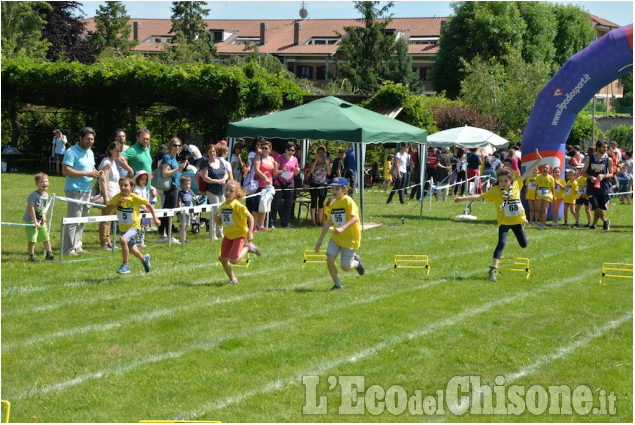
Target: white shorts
x=346, y=259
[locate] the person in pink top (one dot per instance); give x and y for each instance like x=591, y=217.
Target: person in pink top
x=284, y=185
x=511, y=154
x=265, y=168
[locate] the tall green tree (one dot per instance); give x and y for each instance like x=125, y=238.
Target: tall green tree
x=400, y=68
x=192, y=42
x=541, y=32
x=64, y=30
x=372, y=55
x=504, y=87
x=22, y=26
x=574, y=32
x=113, y=30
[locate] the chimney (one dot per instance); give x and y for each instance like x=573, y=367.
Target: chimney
x=297, y=26
x=263, y=32
x=135, y=31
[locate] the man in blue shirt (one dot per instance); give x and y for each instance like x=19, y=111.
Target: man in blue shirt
x=352, y=166
x=79, y=169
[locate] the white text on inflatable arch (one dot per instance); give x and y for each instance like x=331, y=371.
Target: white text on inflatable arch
x=570, y=96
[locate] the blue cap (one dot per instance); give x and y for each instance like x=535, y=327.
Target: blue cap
x=339, y=181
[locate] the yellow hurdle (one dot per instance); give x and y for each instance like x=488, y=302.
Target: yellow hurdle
x=412, y=262
x=244, y=263
x=617, y=268
x=511, y=262
x=310, y=256
x=7, y=410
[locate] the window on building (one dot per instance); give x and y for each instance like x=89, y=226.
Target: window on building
x=424, y=73
x=291, y=67
x=217, y=35
x=322, y=41
x=246, y=40
x=305, y=72
x=320, y=73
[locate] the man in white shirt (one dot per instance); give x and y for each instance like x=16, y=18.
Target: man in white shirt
x=194, y=152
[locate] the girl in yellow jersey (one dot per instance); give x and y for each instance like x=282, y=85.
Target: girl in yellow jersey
x=570, y=193
x=558, y=193
x=237, y=224
x=530, y=196
x=510, y=214
x=582, y=199
x=545, y=184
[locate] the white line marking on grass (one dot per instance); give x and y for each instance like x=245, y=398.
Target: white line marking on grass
x=210, y=345
x=563, y=352
x=141, y=317
x=392, y=341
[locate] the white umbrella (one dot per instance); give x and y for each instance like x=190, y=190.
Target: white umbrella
x=466, y=137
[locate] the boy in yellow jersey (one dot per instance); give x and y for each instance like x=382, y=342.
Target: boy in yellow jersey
x=346, y=236
x=238, y=224
x=129, y=217
x=510, y=214
x=582, y=199
x=558, y=193
x=570, y=194
x=530, y=196
x=545, y=185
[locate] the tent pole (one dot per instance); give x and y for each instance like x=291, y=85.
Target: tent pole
x=423, y=152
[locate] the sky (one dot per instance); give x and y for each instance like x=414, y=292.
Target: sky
x=619, y=12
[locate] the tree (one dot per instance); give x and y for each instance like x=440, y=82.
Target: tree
x=65, y=32
x=627, y=84
x=113, y=30
x=400, y=68
x=372, y=56
x=541, y=32
x=22, y=25
x=574, y=32
x=191, y=42
x=505, y=87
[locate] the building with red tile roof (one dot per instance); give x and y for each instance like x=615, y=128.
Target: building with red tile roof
x=310, y=47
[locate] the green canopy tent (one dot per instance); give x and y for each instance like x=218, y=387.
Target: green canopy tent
x=333, y=119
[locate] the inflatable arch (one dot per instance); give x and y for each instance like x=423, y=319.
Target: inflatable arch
x=574, y=85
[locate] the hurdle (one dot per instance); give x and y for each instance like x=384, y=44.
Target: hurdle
x=7, y=411
x=617, y=268
x=412, y=261
x=510, y=263
x=310, y=256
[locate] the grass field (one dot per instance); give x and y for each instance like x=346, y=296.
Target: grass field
x=83, y=344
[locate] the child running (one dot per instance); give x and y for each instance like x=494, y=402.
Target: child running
x=128, y=207
x=505, y=194
x=346, y=236
x=545, y=185
x=558, y=193
x=237, y=224
x=570, y=194
x=34, y=214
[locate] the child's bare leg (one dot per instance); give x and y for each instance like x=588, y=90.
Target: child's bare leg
x=31, y=248
x=125, y=251
x=135, y=251
x=228, y=268
x=47, y=246
x=587, y=208
x=242, y=254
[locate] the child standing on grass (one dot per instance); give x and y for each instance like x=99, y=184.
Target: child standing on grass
x=237, y=224
x=128, y=207
x=141, y=181
x=530, y=196
x=582, y=199
x=185, y=200
x=558, y=193
x=570, y=194
x=626, y=182
x=505, y=194
x=346, y=236
x=35, y=214
x=545, y=185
